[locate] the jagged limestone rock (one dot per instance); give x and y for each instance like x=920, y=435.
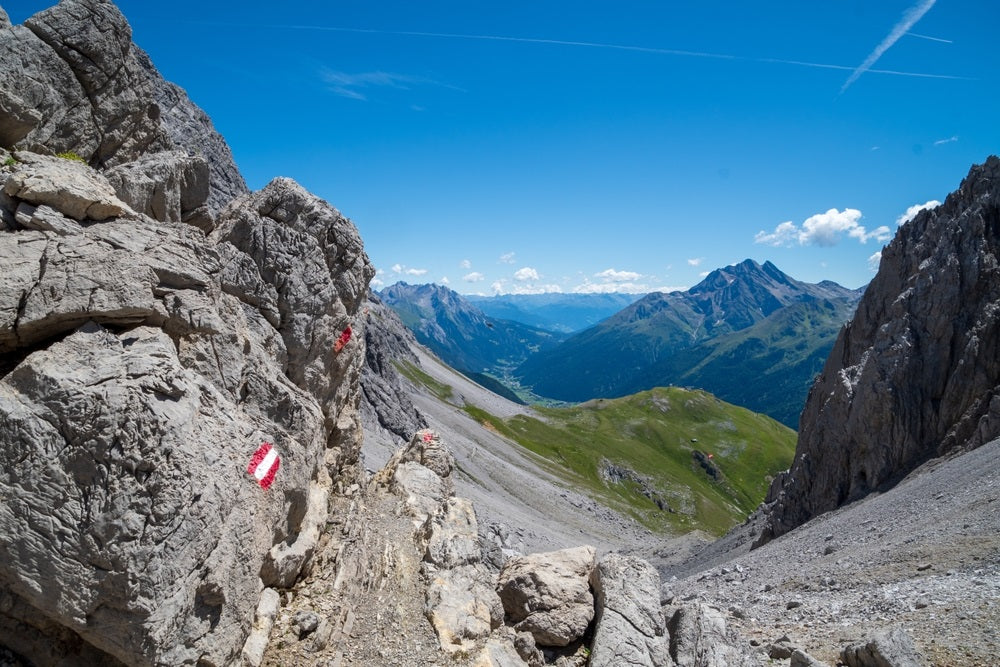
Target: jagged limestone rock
x=142, y=431
x=629, y=624
x=46, y=219
x=893, y=648
x=168, y=186
x=71, y=80
x=454, y=538
x=916, y=373
x=68, y=186
x=462, y=606
x=800, y=658
x=548, y=594
x=700, y=637
x=387, y=412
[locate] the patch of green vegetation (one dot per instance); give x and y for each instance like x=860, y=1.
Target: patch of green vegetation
x=70, y=155
x=416, y=375
x=664, y=436
x=10, y=161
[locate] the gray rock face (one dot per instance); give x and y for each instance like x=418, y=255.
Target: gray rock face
x=386, y=409
x=887, y=649
x=168, y=186
x=143, y=364
x=916, y=374
x=629, y=625
x=68, y=186
x=699, y=637
x=71, y=80
x=460, y=601
x=548, y=594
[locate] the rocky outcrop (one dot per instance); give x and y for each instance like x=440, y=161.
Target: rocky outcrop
x=387, y=413
x=72, y=81
x=549, y=595
x=629, y=626
x=700, y=637
x=68, y=186
x=892, y=648
x=916, y=374
x=169, y=186
x=143, y=364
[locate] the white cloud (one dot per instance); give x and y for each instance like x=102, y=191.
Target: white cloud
x=950, y=139
x=823, y=229
x=445, y=281
x=874, y=261
x=497, y=286
x=507, y=258
x=474, y=277
x=588, y=287
x=376, y=283
x=696, y=261
x=465, y=264
x=350, y=85
x=526, y=273
x=613, y=276
x=704, y=274
x=784, y=234
x=535, y=289
x=416, y=272
x=912, y=211
x=397, y=268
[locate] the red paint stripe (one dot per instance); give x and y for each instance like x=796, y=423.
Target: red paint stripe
x=258, y=456
x=268, y=479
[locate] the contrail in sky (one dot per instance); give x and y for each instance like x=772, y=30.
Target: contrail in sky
x=933, y=39
x=910, y=17
x=624, y=47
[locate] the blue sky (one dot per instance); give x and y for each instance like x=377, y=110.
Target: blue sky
x=633, y=145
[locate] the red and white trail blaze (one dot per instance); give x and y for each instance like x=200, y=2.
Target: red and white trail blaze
x=264, y=465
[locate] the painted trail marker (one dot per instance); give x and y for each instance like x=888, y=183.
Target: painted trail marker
x=264, y=465
x=345, y=337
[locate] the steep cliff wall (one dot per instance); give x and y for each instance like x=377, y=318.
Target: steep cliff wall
x=144, y=360
x=916, y=374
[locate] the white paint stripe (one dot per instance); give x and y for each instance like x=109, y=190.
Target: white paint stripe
x=265, y=465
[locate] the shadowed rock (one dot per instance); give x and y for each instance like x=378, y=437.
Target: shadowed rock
x=916, y=374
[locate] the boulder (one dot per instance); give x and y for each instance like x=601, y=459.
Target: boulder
x=892, y=648
x=699, y=637
x=800, y=658
x=462, y=606
x=46, y=219
x=70, y=187
x=629, y=624
x=548, y=594
x=169, y=186
x=454, y=538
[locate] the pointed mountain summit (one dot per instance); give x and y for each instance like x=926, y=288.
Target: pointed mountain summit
x=748, y=333
x=461, y=334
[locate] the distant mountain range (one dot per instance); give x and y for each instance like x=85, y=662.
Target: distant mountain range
x=461, y=334
x=748, y=333
x=554, y=311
